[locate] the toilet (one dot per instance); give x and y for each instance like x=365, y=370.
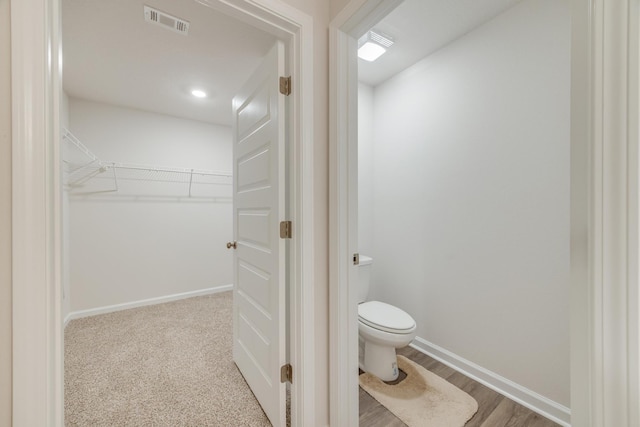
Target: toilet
x=381, y=329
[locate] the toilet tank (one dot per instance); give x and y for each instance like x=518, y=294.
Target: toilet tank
x=364, y=277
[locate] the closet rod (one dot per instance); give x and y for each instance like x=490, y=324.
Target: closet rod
x=160, y=169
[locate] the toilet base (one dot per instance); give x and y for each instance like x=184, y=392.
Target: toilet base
x=378, y=360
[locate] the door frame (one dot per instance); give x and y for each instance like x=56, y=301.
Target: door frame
x=38, y=376
x=605, y=293
x=353, y=21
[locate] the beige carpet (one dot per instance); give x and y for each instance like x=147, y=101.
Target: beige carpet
x=163, y=365
x=422, y=399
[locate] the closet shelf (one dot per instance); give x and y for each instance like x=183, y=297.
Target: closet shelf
x=87, y=174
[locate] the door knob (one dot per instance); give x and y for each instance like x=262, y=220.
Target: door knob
x=231, y=245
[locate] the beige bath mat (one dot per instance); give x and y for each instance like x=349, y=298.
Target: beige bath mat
x=422, y=399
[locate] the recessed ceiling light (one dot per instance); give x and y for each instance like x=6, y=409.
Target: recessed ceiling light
x=373, y=44
x=199, y=93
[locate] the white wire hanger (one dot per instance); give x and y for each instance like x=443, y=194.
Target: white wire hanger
x=81, y=167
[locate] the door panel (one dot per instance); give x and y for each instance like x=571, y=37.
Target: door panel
x=255, y=282
x=254, y=169
x=254, y=113
x=253, y=227
x=259, y=259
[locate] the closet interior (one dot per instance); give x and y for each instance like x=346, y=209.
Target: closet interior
x=147, y=150
x=86, y=174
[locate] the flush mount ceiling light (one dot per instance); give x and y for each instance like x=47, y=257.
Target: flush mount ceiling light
x=373, y=44
x=199, y=93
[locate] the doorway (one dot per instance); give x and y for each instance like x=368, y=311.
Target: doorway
x=287, y=24
x=446, y=160
x=150, y=227
x=587, y=201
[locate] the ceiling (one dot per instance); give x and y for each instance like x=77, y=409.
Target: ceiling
x=420, y=27
x=112, y=55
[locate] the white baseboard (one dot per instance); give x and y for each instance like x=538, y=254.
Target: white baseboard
x=546, y=407
x=141, y=303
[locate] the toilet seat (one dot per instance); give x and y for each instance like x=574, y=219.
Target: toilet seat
x=385, y=317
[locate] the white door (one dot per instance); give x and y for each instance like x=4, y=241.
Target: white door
x=259, y=259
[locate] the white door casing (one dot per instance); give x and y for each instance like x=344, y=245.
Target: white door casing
x=352, y=22
x=36, y=309
x=259, y=260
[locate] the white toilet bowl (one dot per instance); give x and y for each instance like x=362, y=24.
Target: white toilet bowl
x=382, y=328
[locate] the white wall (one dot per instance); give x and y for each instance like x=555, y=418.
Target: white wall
x=337, y=6
x=125, y=249
x=366, y=166
x=5, y=215
x=471, y=196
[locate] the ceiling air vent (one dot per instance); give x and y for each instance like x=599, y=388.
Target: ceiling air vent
x=171, y=22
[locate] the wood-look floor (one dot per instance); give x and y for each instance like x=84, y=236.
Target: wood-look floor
x=494, y=410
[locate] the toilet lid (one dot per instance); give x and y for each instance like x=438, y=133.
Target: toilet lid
x=385, y=317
